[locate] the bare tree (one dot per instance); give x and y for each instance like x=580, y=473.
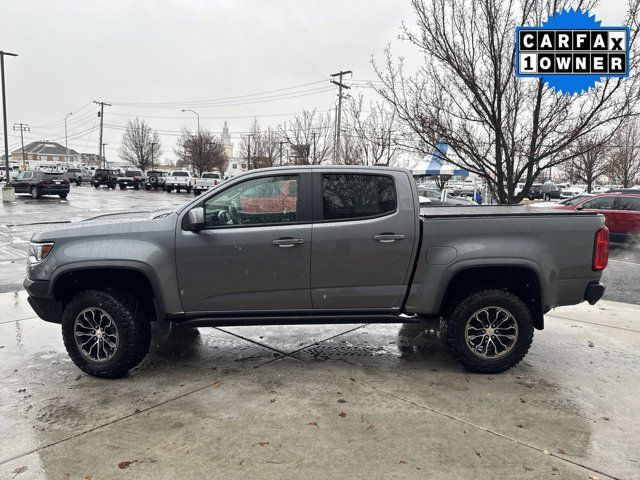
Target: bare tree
x=140, y=144
x=310, y=137
x=625, y=159
x=590, y=163
x=503, y=128
x=202, y=151
x=371, y=131
x=260, y=147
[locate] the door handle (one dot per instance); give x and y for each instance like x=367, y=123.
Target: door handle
x=387, y=237
x=288, y=242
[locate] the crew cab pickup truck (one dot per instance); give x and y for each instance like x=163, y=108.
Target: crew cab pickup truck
x=179, y=180
x=206, y=181
x=131, y=178
x=296, y=245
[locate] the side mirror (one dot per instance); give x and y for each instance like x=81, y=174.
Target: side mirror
x=195, y=219
x=580, y=207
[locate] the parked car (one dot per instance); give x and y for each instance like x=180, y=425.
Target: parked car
x=566, y=201
x=179, y=180
x=435, y=198
x=77, y=175
x=314, y=245
x=131, y=178
x=155, y=179
x=38, y=184
x=535, y=192
x=621, y=212
x=206, y=181
x=105, y=177
x=570, y=192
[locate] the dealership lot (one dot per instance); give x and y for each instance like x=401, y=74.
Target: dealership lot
x=313, y=401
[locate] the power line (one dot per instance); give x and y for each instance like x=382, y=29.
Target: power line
x=216, y=100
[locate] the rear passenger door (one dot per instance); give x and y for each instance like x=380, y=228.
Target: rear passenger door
x=363, y=239
x=627, y=211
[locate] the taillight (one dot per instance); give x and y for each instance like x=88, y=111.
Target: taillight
x=46, y=181
x=601, y=249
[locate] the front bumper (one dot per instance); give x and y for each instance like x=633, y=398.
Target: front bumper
x=45, y=306
x=594, y=292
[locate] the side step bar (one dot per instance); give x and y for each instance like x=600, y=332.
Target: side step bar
x=232, y=321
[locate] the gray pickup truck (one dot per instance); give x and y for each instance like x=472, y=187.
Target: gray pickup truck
x=309, y=245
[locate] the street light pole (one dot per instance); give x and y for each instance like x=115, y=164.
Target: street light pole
x=197, y=115
x=4, y=119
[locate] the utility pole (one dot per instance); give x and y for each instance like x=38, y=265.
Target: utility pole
x=339, y=116
x=249, y=152
x=153, y=148
x=101, y=115
x=21, y=127
x=66, y=146
x=104, y=156
x=315, y=134
x=4, y=119
x=281, y=143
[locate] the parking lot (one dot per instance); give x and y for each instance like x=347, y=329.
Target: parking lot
x=348, y=401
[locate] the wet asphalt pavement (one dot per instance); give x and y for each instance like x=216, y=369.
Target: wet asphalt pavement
x=328, y=401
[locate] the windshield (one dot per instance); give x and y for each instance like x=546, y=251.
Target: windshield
x=574, y=200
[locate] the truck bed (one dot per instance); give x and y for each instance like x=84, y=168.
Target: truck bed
x=496, y=211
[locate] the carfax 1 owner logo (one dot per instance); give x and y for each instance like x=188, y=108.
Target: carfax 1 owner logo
x=571, y=51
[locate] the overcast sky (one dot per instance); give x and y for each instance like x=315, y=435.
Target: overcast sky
x=174, y=52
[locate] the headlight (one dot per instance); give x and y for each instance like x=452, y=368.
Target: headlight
x=39, y=251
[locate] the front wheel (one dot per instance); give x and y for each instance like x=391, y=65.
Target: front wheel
x=136, y=186
x=122, y=187
x=79, y=181
x=96, y=184
x=105, y=332
x=547, y=197
x=188, y=189
x=489, y=331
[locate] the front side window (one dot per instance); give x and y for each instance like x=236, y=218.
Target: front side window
x=601, y=203
x=346, y=196
x=269, y=200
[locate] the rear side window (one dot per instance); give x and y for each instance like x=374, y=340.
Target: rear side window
x=346, y=196
x=601, y=203
x=627, y=203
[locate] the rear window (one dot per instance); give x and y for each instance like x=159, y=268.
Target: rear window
x=346, y=196
x=73, y=170
x=211, y=175
x=179, y=174
x=628, y=203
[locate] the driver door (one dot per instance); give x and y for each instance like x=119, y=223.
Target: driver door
x=254, y=254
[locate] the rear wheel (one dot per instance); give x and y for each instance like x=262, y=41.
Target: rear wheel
x=63, y=195
x=188, y=189
x=96, y=184
x=136, y=186
x=177, y=189
x=35, y=193
x=105, y=332
x=122, y=187
x=168, y=189
x=547, y=197
x=78, y=181
x=489, y=331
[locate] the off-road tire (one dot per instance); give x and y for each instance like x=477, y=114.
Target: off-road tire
x=133, y=327
x=453, y=323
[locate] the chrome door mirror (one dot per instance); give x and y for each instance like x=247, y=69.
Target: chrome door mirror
x=195, y=219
